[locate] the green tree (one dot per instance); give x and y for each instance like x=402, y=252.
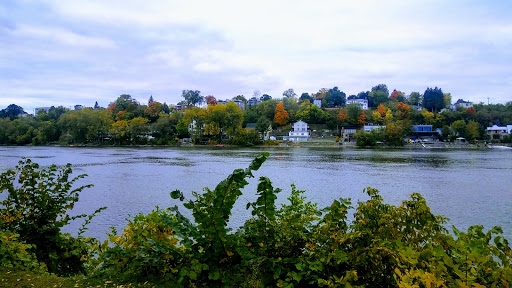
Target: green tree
x=289, y=93
x=85, y=125
x=446, y=131
x=366, y=139
x=447, y=100
x=222, y=119
x=459, y=127
x=240, y=98
x=306, y=96
x=291, y=105
x=415, y=98
x=125, y=102
x=138, y=128
x=377, y=97
x=336, y=98
x=192, y=97
x=262, y=124
x=354, y=112
x=23, y=131
x=472, y=130
x=381, y=87
x=265, y=97
x=165, y=128
x=433, y=99
x=12, y=112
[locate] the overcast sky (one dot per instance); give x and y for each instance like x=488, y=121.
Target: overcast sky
x=69, y=52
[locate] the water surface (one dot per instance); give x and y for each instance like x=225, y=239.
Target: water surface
x=468, y=186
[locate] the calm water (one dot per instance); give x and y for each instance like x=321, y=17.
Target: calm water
x=468, y=186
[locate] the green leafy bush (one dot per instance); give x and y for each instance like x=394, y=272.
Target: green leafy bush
x=293, y=245
x=366, y=139
x=147, y=249
x=36, y=209
x=15, y=254
x=299, y=245
x=246, y=137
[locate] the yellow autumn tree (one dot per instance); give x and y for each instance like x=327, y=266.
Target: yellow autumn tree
x=281, y=116
x=377, y=118
x=427, y=116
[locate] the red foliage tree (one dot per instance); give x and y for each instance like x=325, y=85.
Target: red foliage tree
x=210, y=100
x=395, y=94
x=471, y=112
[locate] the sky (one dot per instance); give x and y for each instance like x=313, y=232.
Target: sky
x=55, y=52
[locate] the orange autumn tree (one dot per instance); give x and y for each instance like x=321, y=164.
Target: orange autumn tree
x=404, y=110
x=362, y=118
x=382, y=110
x=343, y=114
x=281, y=116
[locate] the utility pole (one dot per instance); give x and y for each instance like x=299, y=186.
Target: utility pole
x=487, y=100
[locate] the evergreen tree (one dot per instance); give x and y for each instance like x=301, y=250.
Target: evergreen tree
x=433, y=99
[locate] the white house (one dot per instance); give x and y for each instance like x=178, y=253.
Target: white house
x=461, y=103
x=253, y=101
x=238, y=103
x=363, y=103
x=369, y=128
x=497, y=132
x=45, y=109
x=300, y=132
x=318, y=103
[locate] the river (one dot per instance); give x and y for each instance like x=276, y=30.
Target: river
x=468, y=186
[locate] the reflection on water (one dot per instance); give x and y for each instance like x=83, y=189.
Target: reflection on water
x=468, y=186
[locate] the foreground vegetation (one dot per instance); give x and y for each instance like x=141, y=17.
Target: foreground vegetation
x=292, y=245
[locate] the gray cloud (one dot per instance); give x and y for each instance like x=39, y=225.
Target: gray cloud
x=74, y=52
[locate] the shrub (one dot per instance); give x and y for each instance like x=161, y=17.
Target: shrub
x=146, y=250
x=14, y=254
x=299, y=245
x=365, y=139
x=271, y=142
x=36, y=209
x=247, y=138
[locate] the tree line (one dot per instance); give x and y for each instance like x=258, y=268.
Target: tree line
x=126, y=121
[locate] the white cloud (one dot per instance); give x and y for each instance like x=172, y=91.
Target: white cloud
x=234, y=47
x=63, y=36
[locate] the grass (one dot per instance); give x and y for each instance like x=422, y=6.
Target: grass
x=26, y=279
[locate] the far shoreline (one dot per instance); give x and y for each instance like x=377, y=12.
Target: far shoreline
x=302, y=144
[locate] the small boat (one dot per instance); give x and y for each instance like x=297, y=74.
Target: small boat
x=219, y=145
